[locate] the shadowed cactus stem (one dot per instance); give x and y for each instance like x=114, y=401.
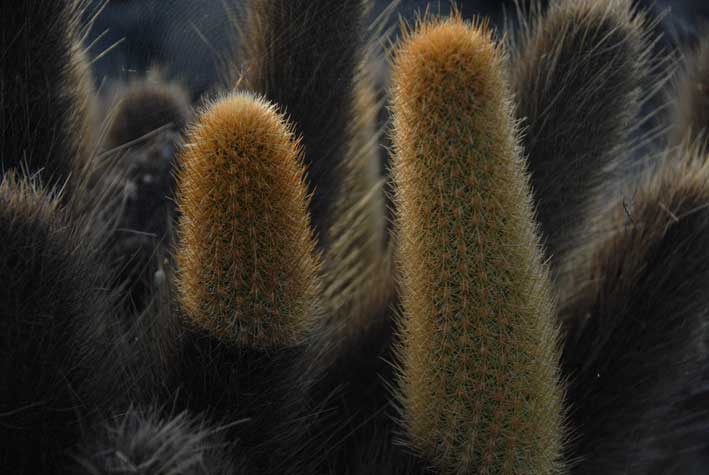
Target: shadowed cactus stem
x=479, y=379
x=635, y=295
x=577, y=73
x=247, y=260
x=46, y=92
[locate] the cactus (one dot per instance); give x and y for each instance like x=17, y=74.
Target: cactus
x=144, y=125
x=142, y=442
x=357, y=281
x=358, y=284
x=577, y=72
x=47, y=93
x=244, y=210
x=479, y=380
x=142, y=107
x=692, y=113
x=301, y=55
x=64, y=361
x=635, y=358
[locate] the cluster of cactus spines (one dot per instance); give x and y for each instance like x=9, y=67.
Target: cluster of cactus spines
x=142, y=442
x=301, y=55
x=45, y=129
x=577, y=72
x=635, y=358
x=480, y=385
x=243, y=206
x=692, y=115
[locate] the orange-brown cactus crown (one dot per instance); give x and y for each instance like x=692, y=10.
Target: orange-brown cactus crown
x=247, y=259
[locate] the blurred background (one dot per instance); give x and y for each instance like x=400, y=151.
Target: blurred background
x=191, y=39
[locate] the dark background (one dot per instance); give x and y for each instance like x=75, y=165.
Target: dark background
x=191, y=39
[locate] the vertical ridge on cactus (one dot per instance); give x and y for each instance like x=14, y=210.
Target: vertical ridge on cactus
x=480, y=389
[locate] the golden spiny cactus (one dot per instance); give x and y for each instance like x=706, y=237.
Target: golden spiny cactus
x=246, y=258
x=480, y=385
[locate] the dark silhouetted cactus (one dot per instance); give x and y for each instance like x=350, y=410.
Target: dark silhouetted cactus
x=578, y=72
x=144, y=125
x=64, y=358
x=635, y=356
x=46, y=108
x=692, y=111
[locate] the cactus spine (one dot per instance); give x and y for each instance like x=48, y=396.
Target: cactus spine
x=577, y=74
x=479, y=380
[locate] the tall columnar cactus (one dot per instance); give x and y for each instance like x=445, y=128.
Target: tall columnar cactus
x=352, y=343
x=479, y=381
x=246, y=258
x=301, y=55
x=47, y=95
x=577, y=73
x=636, y=358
